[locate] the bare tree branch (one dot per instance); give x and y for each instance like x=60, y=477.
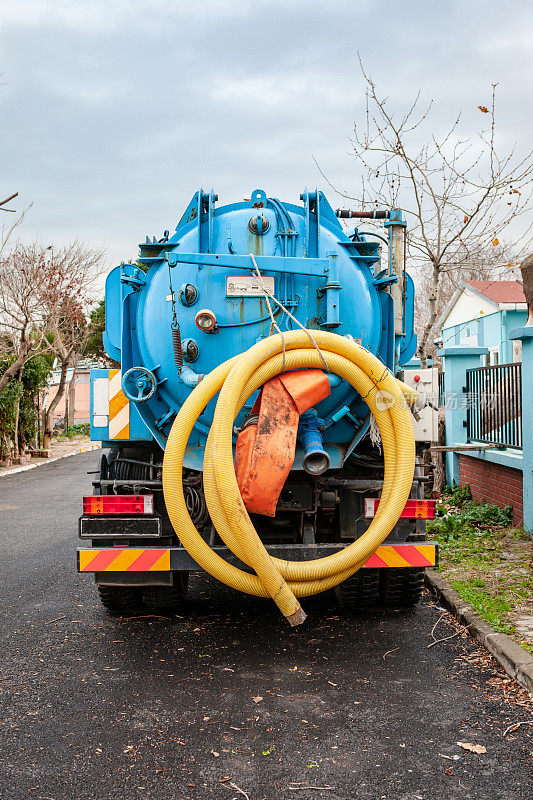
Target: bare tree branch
x=461, y=194
x=3, y=202
x=44, y=301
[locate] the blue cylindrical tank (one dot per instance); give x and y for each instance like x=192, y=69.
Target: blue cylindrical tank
x=326, y=278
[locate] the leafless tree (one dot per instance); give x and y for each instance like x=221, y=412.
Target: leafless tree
x=488, y=265
x=45, y=295
x=25, y=275
x=8, y=200
x=78, y=267
x=7, y=230
x=462, y=197
x=68, y=332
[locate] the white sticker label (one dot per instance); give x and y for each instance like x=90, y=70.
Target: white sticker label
x=248, y=286
x=101, y=397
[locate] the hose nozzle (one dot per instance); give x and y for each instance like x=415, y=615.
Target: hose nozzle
x=316, y=460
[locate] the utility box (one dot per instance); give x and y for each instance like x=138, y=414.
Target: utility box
x=426, y=383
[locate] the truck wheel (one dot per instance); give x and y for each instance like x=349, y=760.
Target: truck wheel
x=402, y=586
x=125, y=600
x=359, y=591
x=167, y=598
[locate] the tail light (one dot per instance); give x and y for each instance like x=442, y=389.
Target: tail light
x=414, y=509
x=118, y=504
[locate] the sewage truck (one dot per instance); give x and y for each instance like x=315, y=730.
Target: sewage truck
x=253, y=419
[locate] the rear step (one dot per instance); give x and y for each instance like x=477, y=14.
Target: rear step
x=177, y=559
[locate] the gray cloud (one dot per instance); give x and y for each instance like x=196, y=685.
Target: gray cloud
x=115, y=112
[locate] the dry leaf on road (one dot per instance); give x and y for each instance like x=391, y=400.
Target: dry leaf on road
x=474, y=748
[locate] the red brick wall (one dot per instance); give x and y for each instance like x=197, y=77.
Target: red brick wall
x=501, y=486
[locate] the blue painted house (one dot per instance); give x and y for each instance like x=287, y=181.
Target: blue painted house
x=482, y=314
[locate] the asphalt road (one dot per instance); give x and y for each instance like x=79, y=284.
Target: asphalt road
x=227, y=695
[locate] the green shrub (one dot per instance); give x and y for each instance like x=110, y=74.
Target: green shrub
x=485, y=514
x=80, y=429
x=459, y=516
x=25, y=391
x=449, y=527
x=456, y=495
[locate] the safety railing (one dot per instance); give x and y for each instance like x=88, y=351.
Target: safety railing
x=494, y=405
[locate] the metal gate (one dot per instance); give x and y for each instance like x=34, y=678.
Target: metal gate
x=494, y=405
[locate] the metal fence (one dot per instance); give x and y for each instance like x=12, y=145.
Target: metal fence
x=494, y=406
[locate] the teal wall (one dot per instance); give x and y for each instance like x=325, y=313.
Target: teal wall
x=457, y=360
x=492, y=330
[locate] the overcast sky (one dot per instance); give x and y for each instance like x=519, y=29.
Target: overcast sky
x=115, y=112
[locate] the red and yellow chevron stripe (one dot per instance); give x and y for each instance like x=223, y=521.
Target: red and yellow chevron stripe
x=114, y=559
x=403, y=555
x=119, y=408
x=128, y=560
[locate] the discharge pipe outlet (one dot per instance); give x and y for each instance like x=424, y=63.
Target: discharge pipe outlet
x=316, y=460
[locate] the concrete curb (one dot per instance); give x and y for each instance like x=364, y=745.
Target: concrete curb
x=84, y=448
x=516, y=661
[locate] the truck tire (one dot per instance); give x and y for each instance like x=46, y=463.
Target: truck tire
x=124, y=600
x=359, y=591
x=401, y=587
x=167, y=598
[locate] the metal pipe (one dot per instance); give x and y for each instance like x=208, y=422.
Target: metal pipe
x=344, y=213
x=189, y=377
x=397, y=249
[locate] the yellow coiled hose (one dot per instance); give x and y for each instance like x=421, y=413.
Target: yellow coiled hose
x=236, y=380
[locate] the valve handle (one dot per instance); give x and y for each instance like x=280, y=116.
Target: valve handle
x=139, y=384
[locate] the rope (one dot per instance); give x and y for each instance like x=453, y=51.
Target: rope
x=269, y=294
x=273, y=324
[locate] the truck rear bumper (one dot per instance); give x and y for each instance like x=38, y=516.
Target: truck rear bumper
x=177, y=559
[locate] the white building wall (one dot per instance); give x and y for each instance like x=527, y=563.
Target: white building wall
x=469, y=305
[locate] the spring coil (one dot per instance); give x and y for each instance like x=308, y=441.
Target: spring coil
x=122, y=469
x=177, y=347
x=196, y=505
